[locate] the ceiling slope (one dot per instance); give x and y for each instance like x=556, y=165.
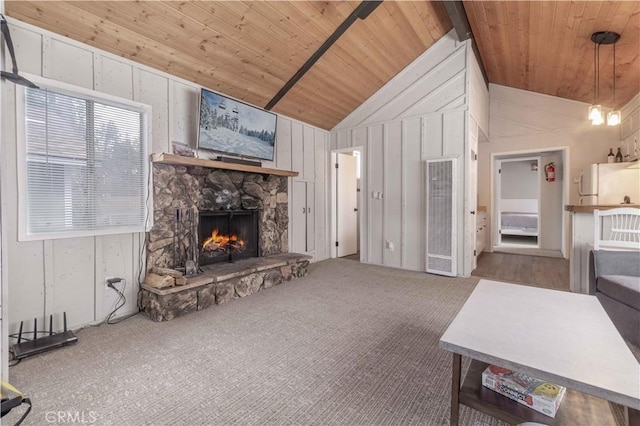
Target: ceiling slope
x=545, y=46
x=250, y=49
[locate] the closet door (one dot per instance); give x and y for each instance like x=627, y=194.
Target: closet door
x=299, y=217
x=441, y=220
x=311, y=217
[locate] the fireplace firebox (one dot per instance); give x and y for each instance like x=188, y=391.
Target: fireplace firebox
x=226, y=236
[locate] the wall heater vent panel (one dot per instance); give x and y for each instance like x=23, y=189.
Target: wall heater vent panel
x=441, y=216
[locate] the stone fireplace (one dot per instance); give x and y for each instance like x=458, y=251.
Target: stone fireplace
x=231, y=223
x=183, y=195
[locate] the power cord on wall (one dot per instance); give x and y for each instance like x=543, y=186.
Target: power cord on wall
x=122, y=300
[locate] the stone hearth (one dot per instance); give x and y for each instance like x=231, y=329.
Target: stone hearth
x=220, y=284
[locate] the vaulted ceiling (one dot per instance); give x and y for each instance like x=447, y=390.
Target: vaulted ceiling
x=546, y=47
x=250, y=49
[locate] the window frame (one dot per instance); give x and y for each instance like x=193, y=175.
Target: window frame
x=21, y=158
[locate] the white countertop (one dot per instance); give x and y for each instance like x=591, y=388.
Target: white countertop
x=589, y=209
x=565, y=338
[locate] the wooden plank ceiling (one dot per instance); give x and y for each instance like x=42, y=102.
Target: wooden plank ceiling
x=545, y=46
x=250, y=49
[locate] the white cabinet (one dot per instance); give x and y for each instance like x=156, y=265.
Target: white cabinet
x=303, y=217
x=481, y=232
x=631, y=146
x=309, y=154
x=305, y=149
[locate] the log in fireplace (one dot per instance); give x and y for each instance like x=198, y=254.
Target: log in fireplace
x=228, y=235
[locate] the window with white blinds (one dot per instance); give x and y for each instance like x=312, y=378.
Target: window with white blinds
x=83, y=165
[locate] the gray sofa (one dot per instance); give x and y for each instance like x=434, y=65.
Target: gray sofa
x=615, y=280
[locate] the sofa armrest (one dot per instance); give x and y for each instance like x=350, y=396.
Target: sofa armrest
x=610, y=262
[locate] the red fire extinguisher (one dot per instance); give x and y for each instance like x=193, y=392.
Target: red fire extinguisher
x=550, y=172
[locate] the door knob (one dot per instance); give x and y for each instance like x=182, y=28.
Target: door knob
x=355, y=210
x=473, y=212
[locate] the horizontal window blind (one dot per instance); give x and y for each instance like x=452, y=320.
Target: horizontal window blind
x=85, y=165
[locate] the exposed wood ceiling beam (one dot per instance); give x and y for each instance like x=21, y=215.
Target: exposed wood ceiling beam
x=458, y=16
x=361, y=12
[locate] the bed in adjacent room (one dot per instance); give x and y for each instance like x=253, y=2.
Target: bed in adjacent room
x=519, y=217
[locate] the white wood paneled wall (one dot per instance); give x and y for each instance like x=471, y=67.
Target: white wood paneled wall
x=69, y=275
x=478, y=94
x=422, y=113
x=630, y=129
x=523, y=121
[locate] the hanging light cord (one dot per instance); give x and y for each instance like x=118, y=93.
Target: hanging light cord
x=614, y=76
x=598, y=72
x=595, y=73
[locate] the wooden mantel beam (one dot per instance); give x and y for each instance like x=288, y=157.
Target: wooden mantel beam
x=164, y=158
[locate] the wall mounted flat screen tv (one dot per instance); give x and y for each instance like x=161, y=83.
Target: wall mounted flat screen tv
x=232, y=127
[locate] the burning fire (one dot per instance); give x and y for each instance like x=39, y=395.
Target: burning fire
x=222, y=242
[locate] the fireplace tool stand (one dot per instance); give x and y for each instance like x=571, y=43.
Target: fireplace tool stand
x=186, y=250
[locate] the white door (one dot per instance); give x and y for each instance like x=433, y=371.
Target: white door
x=299, y=217
x=347, y=205
x=441, y=217
x=471, y=228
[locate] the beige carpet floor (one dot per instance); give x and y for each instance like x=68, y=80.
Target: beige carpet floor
x=350, y=344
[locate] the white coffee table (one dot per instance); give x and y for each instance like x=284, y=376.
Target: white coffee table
x=565, y=338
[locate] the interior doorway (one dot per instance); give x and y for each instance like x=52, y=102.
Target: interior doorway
x=529, y=191
x=346, y=166
x=517, y=203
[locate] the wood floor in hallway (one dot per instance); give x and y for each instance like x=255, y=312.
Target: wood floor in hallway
x=536, y=271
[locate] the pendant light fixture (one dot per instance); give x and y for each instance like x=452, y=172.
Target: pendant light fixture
x=614, y=117
x=596, y=115
x=595, y=110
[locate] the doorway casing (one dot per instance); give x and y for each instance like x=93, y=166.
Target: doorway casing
x=333, y=199
x=565, y=154
x=499, y=190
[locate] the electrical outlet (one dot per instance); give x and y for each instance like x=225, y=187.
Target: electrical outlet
x=112, y=282
x=390, y=245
